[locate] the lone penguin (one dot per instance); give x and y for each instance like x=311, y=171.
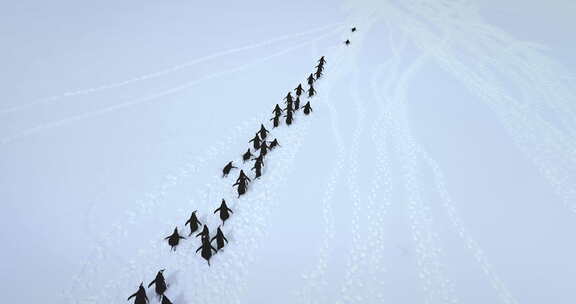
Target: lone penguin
x=139, y=296
x=174, y=239
x=160, y=284
x=224, y=211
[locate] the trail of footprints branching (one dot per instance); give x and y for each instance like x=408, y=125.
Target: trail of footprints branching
x=264, y=143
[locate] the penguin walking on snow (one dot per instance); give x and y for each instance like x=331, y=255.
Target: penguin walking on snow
x=193, y=222
x=220, y=239
x=139, y=296
x=206, y=250
x=299, y=90
x=307, y=108
x=263, y=132
x=160, y=284
x=310, y=79
x=205, y=233
x=256, y=141
x=227, y=169
x=311, y=91
x=224, y=211
x=274, y=144
x=174, y=239
x=246, y=156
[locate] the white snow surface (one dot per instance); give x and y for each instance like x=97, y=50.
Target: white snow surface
x=438, y=164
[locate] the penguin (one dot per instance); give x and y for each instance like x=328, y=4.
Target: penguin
x=307, y=108
x=224, y=211
x=310, y=79
x=277, y=110
x=193, y=222
x=206, y=250
x=275, y=121
x=274, y=144
x=220, y=239
x=246, y=156
x=174, y=239
x=160, y=283
x=263, y=132
x=242, y=187
x=256, y=142
x=205, y=233
x=227, y=169
x=297, y=103
x=139, y=296
x=311, y=92
x=299, y=90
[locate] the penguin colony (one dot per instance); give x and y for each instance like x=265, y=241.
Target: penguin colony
x=259, y=143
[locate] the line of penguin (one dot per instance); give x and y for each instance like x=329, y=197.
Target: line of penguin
x=260, y=144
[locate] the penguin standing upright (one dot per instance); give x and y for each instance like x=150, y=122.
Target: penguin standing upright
x=220, y=239
x=205, y=233
x=299, y=90
x=258, y=168
x=193, y=222
x=140, y=295
x=246, y=156
x=256, y=141
x=206, y=249
x=311, y=91
x=174, y=239
x=297, y=103
x=224, y=211
x=227, y=169
x=307, y=108
x=263, y=132
x=289, y=117
x=160, y=284
x=310, y=79
x=274, y=144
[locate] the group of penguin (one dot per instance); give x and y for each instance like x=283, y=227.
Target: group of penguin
x=258, y=143
x=160, y=288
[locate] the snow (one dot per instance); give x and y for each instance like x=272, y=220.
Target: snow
x=438, y=165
